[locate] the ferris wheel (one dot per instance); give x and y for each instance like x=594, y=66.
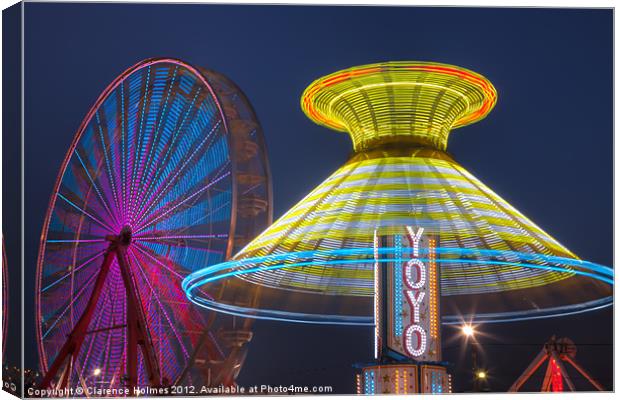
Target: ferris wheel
x=167, y=173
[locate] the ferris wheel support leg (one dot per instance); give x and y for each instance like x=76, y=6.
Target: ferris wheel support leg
x=72, y=345
x=204, y=344
x=132, y=345
x=583, y=372
x=137, y=332
x=63, y=381
x=237, y=358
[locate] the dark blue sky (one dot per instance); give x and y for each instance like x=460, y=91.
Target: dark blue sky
x=546, y=148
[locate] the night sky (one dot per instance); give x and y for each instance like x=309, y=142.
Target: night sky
x=546, y=148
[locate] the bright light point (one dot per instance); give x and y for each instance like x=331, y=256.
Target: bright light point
x=97, y=371
x=481, y=374
x=468, y=330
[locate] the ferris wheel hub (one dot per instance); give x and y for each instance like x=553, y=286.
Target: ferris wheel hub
x=125, y=235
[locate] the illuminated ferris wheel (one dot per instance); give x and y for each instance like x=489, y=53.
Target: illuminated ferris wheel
x=166, y=173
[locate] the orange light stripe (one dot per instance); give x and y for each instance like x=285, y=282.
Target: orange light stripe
x=483, y=84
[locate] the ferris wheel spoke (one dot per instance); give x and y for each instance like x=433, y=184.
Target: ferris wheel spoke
x=98, y=318
x=178, y=292
x=71, y=303
x=137, y=159
x=161, y=307
x=186, y=220
x=75, y=241
x=97, y=190
x=164, y=182
x=173, y=180
x=83, y=200
x=75, y=271
x=97, y=220
x=151, y=158
x=145, y=225
x=200, y=202
x=173, y=144
x=219, y=175
x=199, y=257
x=120, y=94
x=146, y=251
x=149, y=109
x=147, y=146
x=107, y=161
x=174, y=237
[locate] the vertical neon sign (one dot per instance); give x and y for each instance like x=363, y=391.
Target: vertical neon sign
x=378, y=294
x=415, y=282
x=411, y=298
x=406, y=314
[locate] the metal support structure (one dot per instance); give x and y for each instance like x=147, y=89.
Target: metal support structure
x=529, y=371
x=136, y=324
x=205, y=347
x=474, y=366
x=558, y=350
x=137, y=329
x=583, y=372
x=546, y=386
x=70, y=350
x=220, y=370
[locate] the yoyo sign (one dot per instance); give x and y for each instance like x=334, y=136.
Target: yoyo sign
x=408, y=303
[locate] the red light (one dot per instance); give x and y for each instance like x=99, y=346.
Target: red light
x=557, y=385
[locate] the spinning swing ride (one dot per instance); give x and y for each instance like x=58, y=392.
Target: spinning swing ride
x=401, y=237
x=167, y=172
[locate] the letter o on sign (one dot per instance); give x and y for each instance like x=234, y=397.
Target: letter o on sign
x=415, y=340
x=415, y=274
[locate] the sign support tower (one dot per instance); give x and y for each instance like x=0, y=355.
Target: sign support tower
x=407, y=345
